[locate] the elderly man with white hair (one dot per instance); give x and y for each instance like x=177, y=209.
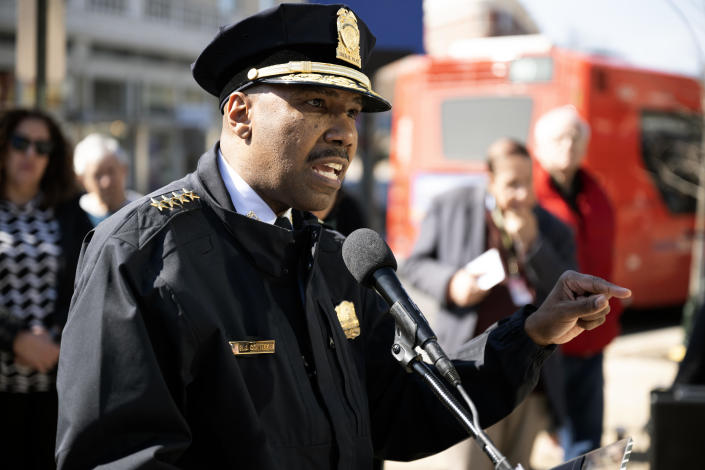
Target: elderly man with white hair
x=566, y=189
x=101, y=166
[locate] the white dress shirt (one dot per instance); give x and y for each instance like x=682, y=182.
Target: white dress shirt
x=245, y=200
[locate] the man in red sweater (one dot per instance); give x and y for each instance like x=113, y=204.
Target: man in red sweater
x=573, y=195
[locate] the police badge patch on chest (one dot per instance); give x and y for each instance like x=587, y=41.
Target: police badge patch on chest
x=348, y=319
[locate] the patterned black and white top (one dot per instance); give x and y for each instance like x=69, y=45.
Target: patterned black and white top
x=29, y=262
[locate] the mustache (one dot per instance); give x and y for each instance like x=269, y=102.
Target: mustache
x=328, y=152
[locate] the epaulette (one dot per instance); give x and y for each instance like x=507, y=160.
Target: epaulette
x=155, y=212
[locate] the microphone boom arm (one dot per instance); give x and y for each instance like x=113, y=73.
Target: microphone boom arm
x=406, y=339
x=412, y=323
x=404, y=349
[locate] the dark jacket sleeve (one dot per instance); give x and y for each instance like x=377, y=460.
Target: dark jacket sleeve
x=552, y=254
x=409, y=422
x=110, y=328
x=422, y=268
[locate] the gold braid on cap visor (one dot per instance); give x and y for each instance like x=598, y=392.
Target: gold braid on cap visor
x=315, y=71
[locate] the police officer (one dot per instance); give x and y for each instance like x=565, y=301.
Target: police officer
x=214, y=324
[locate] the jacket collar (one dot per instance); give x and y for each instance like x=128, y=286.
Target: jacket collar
x=271, y=248
x=212, y=182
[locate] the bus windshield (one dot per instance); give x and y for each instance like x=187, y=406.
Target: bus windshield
x=470, y=124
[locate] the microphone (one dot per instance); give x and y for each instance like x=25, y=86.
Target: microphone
x=372, y=264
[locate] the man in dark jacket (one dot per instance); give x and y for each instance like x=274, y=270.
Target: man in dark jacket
x=214, y=324
x=534, y=249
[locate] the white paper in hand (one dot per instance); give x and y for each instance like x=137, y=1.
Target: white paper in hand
x=489, y=267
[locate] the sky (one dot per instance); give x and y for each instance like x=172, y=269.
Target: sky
x=665, y=35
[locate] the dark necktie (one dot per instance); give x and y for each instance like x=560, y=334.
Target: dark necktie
x=283, y=222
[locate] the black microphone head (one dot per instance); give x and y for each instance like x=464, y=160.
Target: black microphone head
x=364, y=252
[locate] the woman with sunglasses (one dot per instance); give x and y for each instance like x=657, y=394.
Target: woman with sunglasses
x=41, y=229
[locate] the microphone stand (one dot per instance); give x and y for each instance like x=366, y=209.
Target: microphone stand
x=404, y=351
x=613, y=456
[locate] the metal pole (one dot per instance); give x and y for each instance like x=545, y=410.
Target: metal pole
x=41, y=78
x=696, y=286
x=697, y=283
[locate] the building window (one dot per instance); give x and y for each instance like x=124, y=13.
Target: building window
x=200, y=17
x=670, y=144
x=158, y=9
x=109, y=98
x=159, y=100
x=108, y=6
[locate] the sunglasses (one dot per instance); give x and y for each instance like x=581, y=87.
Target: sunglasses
x=22, y=143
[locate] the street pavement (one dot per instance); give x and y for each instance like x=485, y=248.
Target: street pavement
x=634, y=365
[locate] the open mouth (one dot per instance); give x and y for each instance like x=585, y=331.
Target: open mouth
x=331, y=171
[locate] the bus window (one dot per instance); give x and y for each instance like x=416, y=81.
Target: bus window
x=470, y=125
x=531, y=69
x=670, y=147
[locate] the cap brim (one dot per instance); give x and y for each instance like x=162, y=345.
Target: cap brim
x=371, y=101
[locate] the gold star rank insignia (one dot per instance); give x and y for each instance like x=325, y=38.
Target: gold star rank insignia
x=167, y=202
x=348, y=320
x=190, y=194
x=174, y=200
x=156, y=204
x=179, y=197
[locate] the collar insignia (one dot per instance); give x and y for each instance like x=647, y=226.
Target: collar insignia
x=244, y=348
x=348, y=320
x=175, y=200
x=348, y=38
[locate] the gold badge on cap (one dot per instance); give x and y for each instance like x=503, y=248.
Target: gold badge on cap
x=348, y=320
x=348, y=38
x=242, y=348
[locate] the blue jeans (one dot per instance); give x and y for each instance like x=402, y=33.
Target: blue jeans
x=584, y=393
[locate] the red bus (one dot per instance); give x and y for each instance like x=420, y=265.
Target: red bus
x=644, y=146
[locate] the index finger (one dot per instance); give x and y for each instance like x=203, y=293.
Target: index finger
x=585, y=283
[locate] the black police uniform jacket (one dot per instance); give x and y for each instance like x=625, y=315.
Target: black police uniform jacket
x=148, y=377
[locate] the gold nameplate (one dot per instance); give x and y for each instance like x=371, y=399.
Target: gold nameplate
x=348, y=38
x=348, y=320
x=241, y=348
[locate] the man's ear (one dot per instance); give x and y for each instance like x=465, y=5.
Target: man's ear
x=237, y=114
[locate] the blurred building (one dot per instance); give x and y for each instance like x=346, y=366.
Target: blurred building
x=449, y=21
x=128, y=74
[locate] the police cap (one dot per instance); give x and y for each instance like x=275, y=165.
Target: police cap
x=302, y=44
